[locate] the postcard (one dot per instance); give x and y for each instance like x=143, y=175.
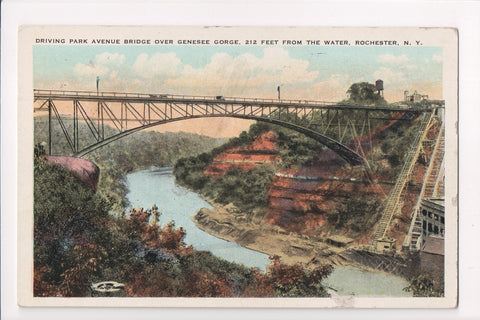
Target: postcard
x=305, y=167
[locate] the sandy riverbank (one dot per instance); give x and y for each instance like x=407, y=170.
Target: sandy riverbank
x=228, y=223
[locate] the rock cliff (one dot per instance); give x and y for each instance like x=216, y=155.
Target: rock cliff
x=86, y=170
x=263, y=150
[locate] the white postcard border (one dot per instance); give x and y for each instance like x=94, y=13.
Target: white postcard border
x=445, y=38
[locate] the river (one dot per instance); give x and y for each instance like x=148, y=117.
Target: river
x=157, y=186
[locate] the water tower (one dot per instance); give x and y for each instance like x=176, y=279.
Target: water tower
x=379, y=87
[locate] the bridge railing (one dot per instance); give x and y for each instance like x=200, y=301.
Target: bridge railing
x=160, y=97
x=106, y=94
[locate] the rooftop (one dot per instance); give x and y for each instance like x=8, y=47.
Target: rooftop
x=434, y=203
x=340, y=239
x=433, y=245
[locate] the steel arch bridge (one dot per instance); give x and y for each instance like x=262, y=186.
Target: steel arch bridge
x=131, y=112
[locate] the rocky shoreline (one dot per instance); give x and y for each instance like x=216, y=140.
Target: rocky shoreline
x=228, y=223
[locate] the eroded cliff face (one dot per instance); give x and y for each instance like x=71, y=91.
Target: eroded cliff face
x=86, y=170
x=303, y=199
x=263, y=150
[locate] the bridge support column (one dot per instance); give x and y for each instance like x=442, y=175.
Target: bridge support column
x=75, y=123
x=49, y=127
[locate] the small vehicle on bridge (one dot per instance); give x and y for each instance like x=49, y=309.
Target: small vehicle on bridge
x=158, y=95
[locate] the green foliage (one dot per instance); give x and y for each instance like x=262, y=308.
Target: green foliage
x=237, y=276
x=293, y=280
x=357, y=214
x=39, y=150
x=364, y=93
x=246, y=189
x=137, y=151
x=245, y=138
x=74, y=235
x=424, y=286
x=186, y=167
x=396, y=143
x=296, y=149
x=67, y=214
x=78, y=243
x=63, y=201
x=150, y=148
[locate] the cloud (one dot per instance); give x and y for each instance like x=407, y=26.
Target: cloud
x=390, y=76
x=245, y=75
x=158, y=65
x=228, y=75
x=103, y=64
x=332, y=89
x=90, y=70
x=110, y=59
x=390, y=59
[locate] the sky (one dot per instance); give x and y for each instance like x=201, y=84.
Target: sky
x=303, y=72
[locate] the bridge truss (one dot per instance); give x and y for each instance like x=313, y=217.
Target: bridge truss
x=329, y=123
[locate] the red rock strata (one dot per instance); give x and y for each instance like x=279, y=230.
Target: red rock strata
x=301, y=199
x=86, y=170
x=263, y=150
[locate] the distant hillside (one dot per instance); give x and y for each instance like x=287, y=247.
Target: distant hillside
x=308, y=188
x=138, y=150
x=244, y=180
x=133, y=152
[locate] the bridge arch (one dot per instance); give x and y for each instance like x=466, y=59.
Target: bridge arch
x=342, y=150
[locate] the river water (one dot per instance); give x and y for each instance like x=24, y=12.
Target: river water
x=157, y=186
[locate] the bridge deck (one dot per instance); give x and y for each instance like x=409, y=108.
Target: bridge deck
x=219, y=100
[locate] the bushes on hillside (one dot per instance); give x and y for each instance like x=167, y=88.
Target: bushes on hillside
x=423, y=285
x=77, y=243
x=356, y=214
x=246, y=189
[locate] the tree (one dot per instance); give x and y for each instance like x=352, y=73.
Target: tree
x=424, y=286
x=68, y=215
x=285, y=280
x=364, y=93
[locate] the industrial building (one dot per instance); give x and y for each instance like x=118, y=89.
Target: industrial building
x=415, y=97
x=433, y=217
